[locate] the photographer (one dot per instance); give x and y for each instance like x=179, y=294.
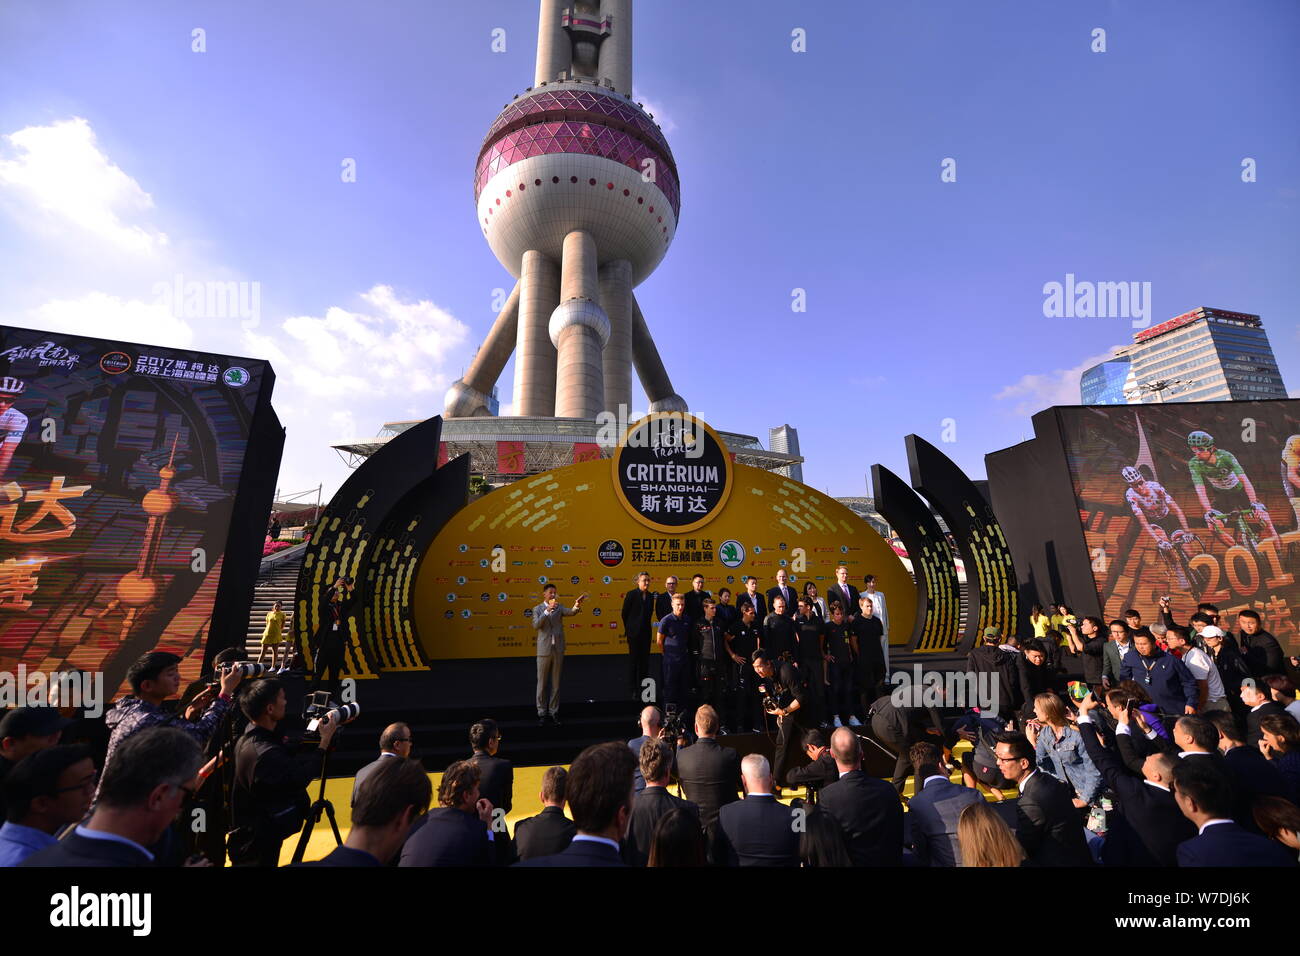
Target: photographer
x=783, y=696
x=331, y=640
x=270, y=800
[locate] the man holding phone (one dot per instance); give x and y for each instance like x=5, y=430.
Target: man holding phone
x=548, y=619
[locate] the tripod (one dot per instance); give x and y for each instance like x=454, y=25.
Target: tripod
x=319, y=805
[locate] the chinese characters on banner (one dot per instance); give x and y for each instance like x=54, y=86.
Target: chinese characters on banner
x=510, y=457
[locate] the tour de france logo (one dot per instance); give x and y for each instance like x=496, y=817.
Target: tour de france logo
x=672, y=472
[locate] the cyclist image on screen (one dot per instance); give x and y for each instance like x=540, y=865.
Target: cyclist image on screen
x=1291, y=474
x=1229, y=491
x=13, y=423
x=1152, y=506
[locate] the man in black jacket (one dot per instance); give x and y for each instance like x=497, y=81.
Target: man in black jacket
x=1261, y=650
x=638, y=617
x=709, y=772
x=1152, y=825
x=821, y=771
x=1251, y=774
x=549, y=832
x=24, y=731
x=140, y=793
x=269, y=800
x=389, y=801
x=742, y=638
x=1205, y=796
x=1048, y=825
x=653, y=802
x=752, y=596
x=599, y=789
x=988, y=658
x=457, y=832
x=1259, y=704
x=781, y=684
x=496, y=780
x=759, y=830
x=784, y=591
x=868, y=655
x=866, y=808
x=897, y=725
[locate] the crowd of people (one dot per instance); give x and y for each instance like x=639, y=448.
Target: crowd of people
x=1120, y=744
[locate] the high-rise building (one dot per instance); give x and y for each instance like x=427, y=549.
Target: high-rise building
x=1203, y=355
x=785, y=439
x=1104, y=384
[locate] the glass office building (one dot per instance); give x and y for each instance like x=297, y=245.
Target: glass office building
x=1104, y=384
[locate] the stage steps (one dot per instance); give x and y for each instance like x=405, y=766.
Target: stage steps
x=276, y=581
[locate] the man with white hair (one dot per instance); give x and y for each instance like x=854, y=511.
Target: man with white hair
x=757, y=831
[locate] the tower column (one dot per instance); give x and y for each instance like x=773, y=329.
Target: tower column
x=616, y=50
x=579, y=330
x=539, y=291
x=650, y=367
x=470, y=394
x=554, y=54
x=616, y=300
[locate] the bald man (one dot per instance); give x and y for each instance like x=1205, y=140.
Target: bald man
x=757, y=831
x=867, y=809
x=395, y=741
x=652, y=727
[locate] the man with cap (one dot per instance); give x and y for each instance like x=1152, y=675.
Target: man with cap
x=988, y=658
x=1209, y=685
x=24, y=731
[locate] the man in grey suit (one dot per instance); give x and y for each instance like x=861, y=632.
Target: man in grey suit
x=395, y=741
x=933, y=812
x=548, y=618
x=1120, y=643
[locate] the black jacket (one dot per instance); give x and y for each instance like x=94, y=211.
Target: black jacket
x=756, y=831
x=819, y=773
x=1263, y=654
x=650, y=805
x=850, y=601
x=449, y=837
x=759, y=602
x=1226, y=844
x=638, y=614
x=270, y=788
x=1048, y=825
x=989, y=659
x=546, y=834
x=710, y=776
x=1252, y=775
x=496, y=780
x=792, y=599
x=76, y=850
x=779, y=636
x=580, y=853
x=871, y=816
x=1253, y=717
x=345, y=856
x=663, y=605
x=1154, y=824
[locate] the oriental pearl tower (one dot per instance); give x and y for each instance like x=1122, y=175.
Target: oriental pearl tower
x=578, y=196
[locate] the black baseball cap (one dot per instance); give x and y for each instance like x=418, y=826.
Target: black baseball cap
x=32, y=722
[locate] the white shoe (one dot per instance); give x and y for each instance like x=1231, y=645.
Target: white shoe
x=854, y=722
x=837, y=721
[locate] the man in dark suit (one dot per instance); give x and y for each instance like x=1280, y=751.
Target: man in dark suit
x=550, y=831
x=390, y=800
x=599, y=790
x=638, y=617
x=1250, y=773
x=496, y=781
x=1205, y=797
x=1048, y=824
x=140, y=793
x=866, y=808
x=756, y=831
x=1261, y=650
x=24, y=731
x=651, y=803
x=845, y=593
x=934, y=810
x=652, y=725
x=784, y=591
x=1259, y=704
x=709, y=772
x=395, y=741
x=821, y=771
x=752, y=596
x=664, y=600
x=1152, y=826
x=458, y=831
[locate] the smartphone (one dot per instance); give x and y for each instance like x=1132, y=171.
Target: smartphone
x=1078, y=689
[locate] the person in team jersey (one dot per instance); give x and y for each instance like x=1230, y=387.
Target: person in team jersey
x=1229, y=489
x=1152, y=506
x=1291, y=475
x=13, y=423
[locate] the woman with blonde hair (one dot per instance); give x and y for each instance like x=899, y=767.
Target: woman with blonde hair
x=985, y=840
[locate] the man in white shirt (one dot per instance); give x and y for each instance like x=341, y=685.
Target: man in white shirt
x=1208, y=682
x=13, y=423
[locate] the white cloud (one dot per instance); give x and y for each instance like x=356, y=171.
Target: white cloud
x=1061, y=387
x=59, y=176
x=102, y=315
x=393, y=348
x=656, y=111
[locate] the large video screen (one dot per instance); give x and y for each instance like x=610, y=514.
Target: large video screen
x=1199, y=501
x=118, y=470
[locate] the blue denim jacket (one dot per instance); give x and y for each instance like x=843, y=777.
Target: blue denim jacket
x=1068, y=761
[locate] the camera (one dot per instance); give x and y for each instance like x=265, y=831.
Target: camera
x=319, y=705
x=674, y=724
x=247, y=668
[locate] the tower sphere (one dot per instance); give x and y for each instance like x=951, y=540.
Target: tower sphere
x=575, y=156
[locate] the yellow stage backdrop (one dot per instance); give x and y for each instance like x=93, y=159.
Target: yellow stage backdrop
x=576, y=528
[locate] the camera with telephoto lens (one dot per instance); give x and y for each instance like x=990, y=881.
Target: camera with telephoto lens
x=674, y=724
x=318, y=706
x=249, y=669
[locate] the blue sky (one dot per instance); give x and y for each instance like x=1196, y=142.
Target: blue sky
x=126, y=159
